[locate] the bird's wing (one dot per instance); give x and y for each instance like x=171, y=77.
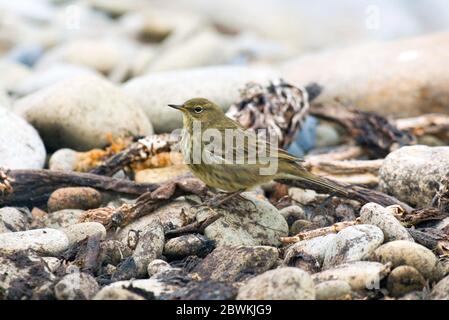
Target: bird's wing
x=267, y=148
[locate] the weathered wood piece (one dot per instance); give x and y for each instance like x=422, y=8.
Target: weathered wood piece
x=138, y=151
x=33, y=187
x=377, y=134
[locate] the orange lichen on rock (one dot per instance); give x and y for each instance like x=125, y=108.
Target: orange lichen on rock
x=93, y=158
x=160, y=160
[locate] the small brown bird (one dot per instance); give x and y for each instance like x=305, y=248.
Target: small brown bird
x=231, y=167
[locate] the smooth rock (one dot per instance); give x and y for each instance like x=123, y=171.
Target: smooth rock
x=220, y=84
x=413, y=174
x=279, y=284
x=12, y=74
x=108, y=293
x=172, y=216
x=206, y=47
x=20, y=144
x=188, y=245
x=46, y=77
x=333, y=290
x=375, y=214
x=12, y=220
x=315, y=247
x=81, y=231
x=62, y=219
x=157, y=266
x=149, y=247
x=360, y=275
x=441, y=290
x=82, y=198
x=24, y=276
x=249, y=223
x=302, y=196
x=66, y=118
x=76, y=286
x=97, y=54
x=353, y=244
x=5, y=102
x=49, y=242
x=63, y=160
x=160, y=175
x=234, y=263
x=385, y=83
x=406, y=253
x=403, y=280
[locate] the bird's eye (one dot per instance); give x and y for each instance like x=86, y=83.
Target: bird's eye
x=198, y=109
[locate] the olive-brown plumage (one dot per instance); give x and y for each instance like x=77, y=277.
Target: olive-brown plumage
x=234, y=176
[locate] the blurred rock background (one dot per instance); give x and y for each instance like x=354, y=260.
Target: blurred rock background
x=147, y=53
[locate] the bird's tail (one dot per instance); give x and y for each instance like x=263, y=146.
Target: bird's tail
x=313, y=180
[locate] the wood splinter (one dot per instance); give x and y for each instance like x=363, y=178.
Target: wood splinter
x=335, y=228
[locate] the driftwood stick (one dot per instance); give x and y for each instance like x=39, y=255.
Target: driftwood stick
x=344, y=152
x=147, y=203
x=33, y=187
x=374, y=132
x=433, y=239
x=138, y=151
x=194, y=227
x=306, y=235
x=354, y=192
x=364, y=172
x=433, y=123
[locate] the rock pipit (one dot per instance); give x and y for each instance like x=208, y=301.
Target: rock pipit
x=227, y=157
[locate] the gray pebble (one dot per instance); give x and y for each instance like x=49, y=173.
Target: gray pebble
x=279, y=284
x=372, y=213
x=353, y=244
x=76, y=286
x=45, y=241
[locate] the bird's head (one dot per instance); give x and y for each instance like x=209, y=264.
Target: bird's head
x=199, y=109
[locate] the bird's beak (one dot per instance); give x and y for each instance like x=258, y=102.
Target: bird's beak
x=176, y=106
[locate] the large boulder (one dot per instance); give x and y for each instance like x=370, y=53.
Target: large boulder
x=80, y=113
x=220, y=84
x=400, y=78
x=413, y=174
x=20, y=144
